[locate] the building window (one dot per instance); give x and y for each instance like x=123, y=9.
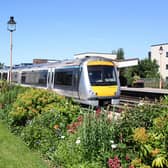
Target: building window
x=166, y=66
x=166, y=54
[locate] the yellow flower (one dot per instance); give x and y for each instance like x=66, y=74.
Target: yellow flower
x=140, y=135
x=155, y=152
x=136, y=162
x=56, y=126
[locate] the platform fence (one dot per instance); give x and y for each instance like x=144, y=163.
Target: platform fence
x=154, y=83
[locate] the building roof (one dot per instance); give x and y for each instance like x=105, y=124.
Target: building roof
x=159, y=44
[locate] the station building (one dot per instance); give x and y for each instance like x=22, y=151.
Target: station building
x=159, y=52
x=119, y=63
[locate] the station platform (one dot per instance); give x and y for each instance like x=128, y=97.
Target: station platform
x=146, y=90
x=149, y=93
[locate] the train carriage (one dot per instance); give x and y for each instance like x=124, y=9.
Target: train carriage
x=90, y=80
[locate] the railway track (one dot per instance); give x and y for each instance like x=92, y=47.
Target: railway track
x=127, y=102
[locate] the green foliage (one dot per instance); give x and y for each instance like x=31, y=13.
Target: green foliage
x=146, y=68
x=120, y=53
x=68, y=149
x=36, y=101
x=144, y=132
x=8, y=94
x=70, y=154
x=44, y=130
x=96, y=134
x=39, y=137
x=62, y=130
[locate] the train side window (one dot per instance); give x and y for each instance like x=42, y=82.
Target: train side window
x=166, y=54
x=4, y=76
x=0, y=76
x=15, y=77
x=63, y=77
x=38, y=77
x=42, y=77
x=166, y=79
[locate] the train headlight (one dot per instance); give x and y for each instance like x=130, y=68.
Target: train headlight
x=92, y=93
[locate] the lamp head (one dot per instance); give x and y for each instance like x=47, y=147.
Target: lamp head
x=161, y=50
x=11, y=24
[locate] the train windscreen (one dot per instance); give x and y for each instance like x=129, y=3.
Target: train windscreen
x=101, y=75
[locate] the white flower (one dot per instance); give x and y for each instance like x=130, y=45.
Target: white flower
x=113, y=146
x=78, y=141
x=62, y=137
x=112, y=141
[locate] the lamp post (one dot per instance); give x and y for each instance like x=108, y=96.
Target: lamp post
x=11, y=26
x=160, y=52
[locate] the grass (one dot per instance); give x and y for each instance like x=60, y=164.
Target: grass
x=15, y=154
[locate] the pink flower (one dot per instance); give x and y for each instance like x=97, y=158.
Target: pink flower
x=114, y=163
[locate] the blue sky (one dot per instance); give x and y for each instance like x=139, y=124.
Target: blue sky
x=58, y=29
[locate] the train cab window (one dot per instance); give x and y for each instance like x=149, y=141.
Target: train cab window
x=63, y=77
x=102, y=75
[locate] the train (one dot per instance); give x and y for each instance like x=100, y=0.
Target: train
x=91, y=80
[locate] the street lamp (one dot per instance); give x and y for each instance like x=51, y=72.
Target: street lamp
x=160, y=52
x=11, y=26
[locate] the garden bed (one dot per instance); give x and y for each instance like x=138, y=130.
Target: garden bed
x=72, y=137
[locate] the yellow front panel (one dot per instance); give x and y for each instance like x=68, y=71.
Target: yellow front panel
x=105, y=90
x=108, y=63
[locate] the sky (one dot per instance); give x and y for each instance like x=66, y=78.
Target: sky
x=58, y=29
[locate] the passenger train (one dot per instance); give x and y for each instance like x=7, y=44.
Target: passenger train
x=90, y=80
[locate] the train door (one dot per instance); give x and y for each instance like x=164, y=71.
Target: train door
x=75, y=82
x=50, y=78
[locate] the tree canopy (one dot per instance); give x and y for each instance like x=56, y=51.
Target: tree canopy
x=146, y=68
x=120, y=53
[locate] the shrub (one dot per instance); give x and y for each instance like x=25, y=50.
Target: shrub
x=36, y=101
x=143, y=131
x=44, y=130
x=8, y=94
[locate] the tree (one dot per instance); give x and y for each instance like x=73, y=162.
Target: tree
x=120, y=53
x=114, y=52
x=148, y=69
x=145, y=69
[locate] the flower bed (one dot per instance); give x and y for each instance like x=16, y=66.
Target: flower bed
x=73, y=137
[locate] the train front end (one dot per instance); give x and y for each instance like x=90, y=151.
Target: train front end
x=104, y=82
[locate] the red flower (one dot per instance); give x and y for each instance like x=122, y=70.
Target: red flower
x=98, y=111
x=127, y=157
x=114, y=163
x=80, y=118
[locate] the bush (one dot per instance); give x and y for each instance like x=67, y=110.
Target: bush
x=36, y=101
x=8, y=95
x=143, y=131
x=73, y=137
x=44, y=130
